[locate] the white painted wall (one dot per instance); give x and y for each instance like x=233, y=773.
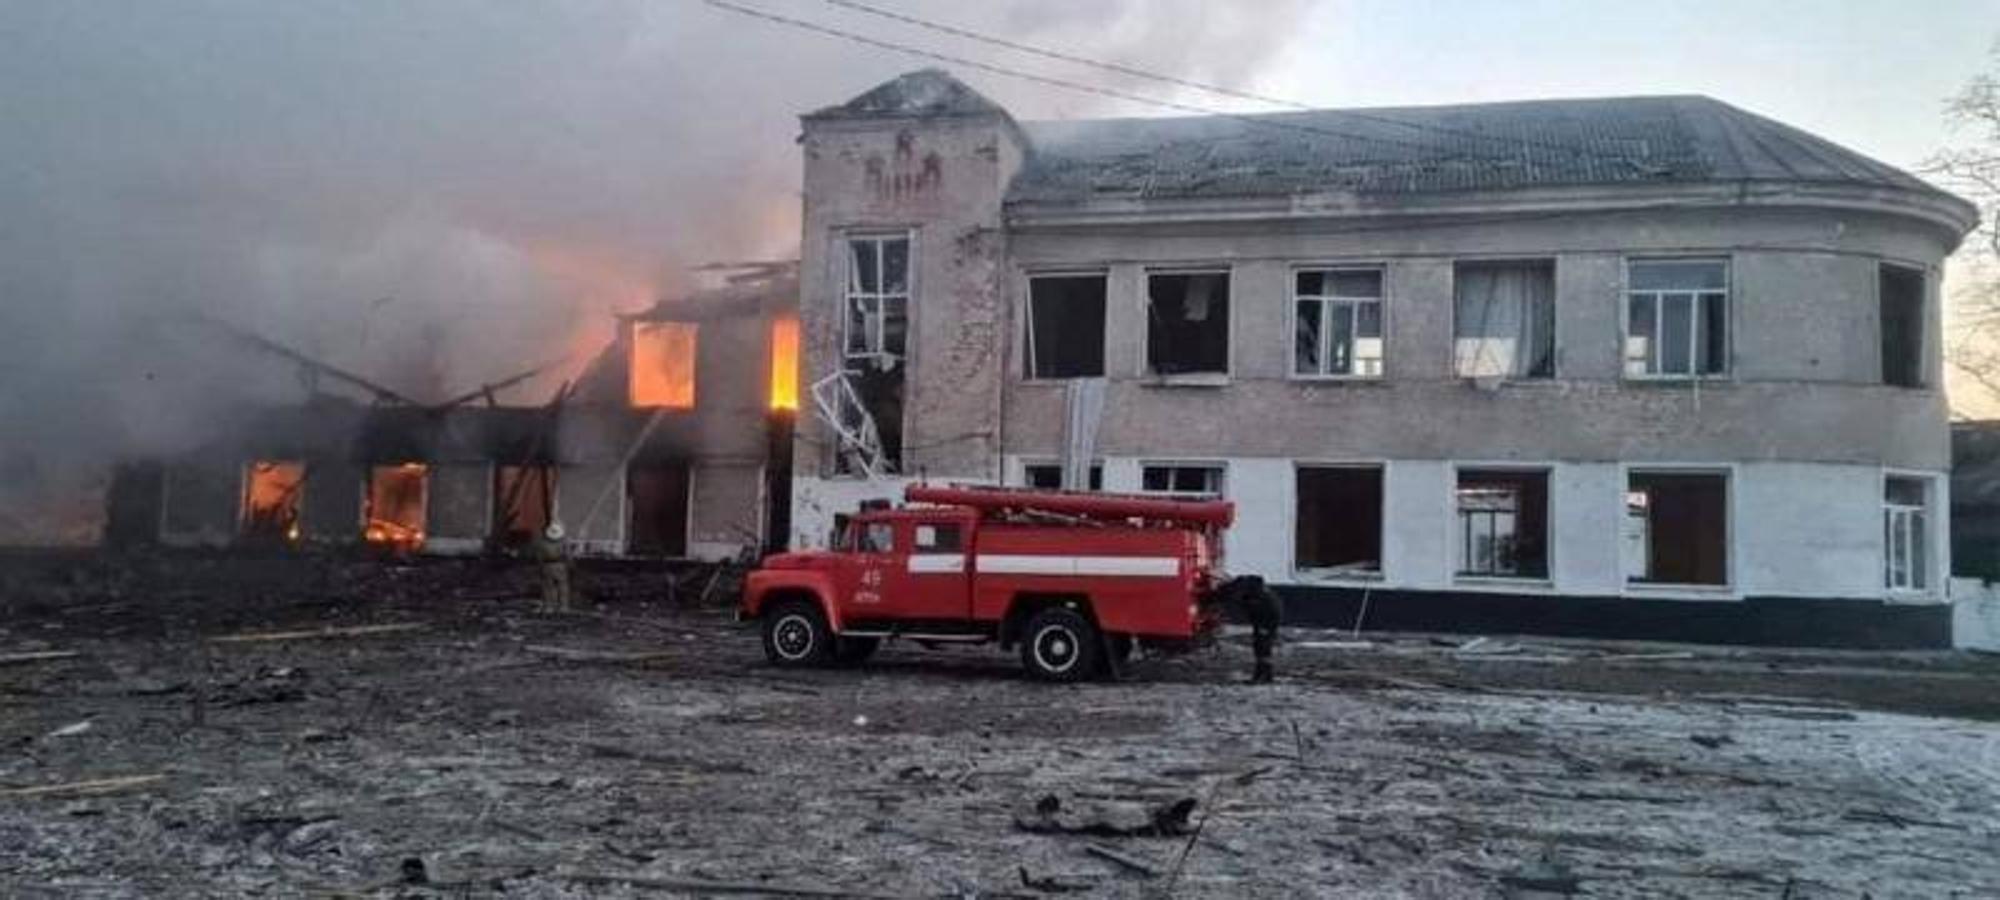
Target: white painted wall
x=1588, y=501
x=1806, y=529
x=1975, y=615
x=1258, y=543
x=1796, y=529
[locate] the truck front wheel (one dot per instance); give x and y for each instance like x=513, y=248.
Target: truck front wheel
x=795, y=634
x=1059, y=644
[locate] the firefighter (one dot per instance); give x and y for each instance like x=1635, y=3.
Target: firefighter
x=1254, y=600
x=554, y=557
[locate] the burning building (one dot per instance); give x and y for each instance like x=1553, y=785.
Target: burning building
x=673, y=441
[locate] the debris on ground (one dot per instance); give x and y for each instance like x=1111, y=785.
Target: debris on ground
x=655, y=754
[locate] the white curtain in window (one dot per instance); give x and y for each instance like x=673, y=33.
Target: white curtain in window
x=1505, y=323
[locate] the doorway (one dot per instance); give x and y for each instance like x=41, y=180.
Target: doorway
x=657, y=495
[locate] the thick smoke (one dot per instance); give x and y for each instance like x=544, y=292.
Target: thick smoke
x=432, y=194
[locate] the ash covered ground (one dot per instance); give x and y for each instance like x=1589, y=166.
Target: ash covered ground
x=445, y=739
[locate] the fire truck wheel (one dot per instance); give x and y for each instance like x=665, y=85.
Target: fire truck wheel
x=853, y=651
x=795, y=634
x=1060, y=645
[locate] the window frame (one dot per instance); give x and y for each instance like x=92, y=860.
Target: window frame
x=1926, y=571
x=1145, y=297
x=1323, y=573
x=879, y=339
x=1023, y=464
x=1221, y=468
x=1732, y=554
x=1626, y=294
x=1292, y=301
x=1455, y=527
x=1924, y=378
x=1027, y=327
x=1555, y=315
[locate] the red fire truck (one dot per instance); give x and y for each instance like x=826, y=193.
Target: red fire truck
x=1075, y=580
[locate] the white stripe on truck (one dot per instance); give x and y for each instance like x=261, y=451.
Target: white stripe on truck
x=935, y=563
x=1023, y=564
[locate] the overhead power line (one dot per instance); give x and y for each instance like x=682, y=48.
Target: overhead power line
x=1059, y=55
x=1058, y=82
x=1130, y=71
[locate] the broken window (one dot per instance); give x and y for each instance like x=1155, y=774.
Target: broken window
x=1181, y=478
x=1066, y=326
x=1504, y=319
x=1904, y=533
x=523, y=503
x=1901, y=292
x=1187, y=323
x=1503, y=523
x=396, y=505
x=663, y=361
x=271, y=492
x=1048, y=476
x=1338, y=524
x=1337, y=322
x=1677, y=528
x=785, y=363
x=1677, y=318
x=878, y=299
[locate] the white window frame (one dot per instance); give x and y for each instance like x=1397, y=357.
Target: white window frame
x=1695, y=334
x=876, y=341
x=1457, y=526
x=1219, y=467
x=1028, y=323
x=1328, y=304
x=1906, y=521
x=1228, y=272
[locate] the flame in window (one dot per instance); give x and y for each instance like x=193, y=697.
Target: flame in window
x=663, y=364
x=396, y=501
x=271, y=499
x=785, y=363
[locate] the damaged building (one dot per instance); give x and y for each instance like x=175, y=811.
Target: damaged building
x=674, y=441
x=1645, y=366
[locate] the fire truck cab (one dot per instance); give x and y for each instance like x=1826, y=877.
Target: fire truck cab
x=1075, y=580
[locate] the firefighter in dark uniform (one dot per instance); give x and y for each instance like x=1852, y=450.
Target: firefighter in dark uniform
x=1248, y=596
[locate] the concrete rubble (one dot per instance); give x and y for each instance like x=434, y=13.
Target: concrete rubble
x=180, y=726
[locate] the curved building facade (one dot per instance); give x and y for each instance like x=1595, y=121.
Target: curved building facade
x=1641, y=366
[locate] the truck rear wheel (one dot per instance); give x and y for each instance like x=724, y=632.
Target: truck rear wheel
x=1059, y=644
x=796, y=634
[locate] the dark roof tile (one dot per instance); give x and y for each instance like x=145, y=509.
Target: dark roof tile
x=1480, y=147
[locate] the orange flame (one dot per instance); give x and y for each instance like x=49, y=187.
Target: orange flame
x=785, y=363
x=271, y=499
x=662, y=369
x=396, y=502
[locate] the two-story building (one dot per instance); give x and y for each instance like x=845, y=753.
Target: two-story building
x=1644, y=366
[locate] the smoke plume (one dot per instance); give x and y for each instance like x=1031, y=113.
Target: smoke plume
x=431, y=194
